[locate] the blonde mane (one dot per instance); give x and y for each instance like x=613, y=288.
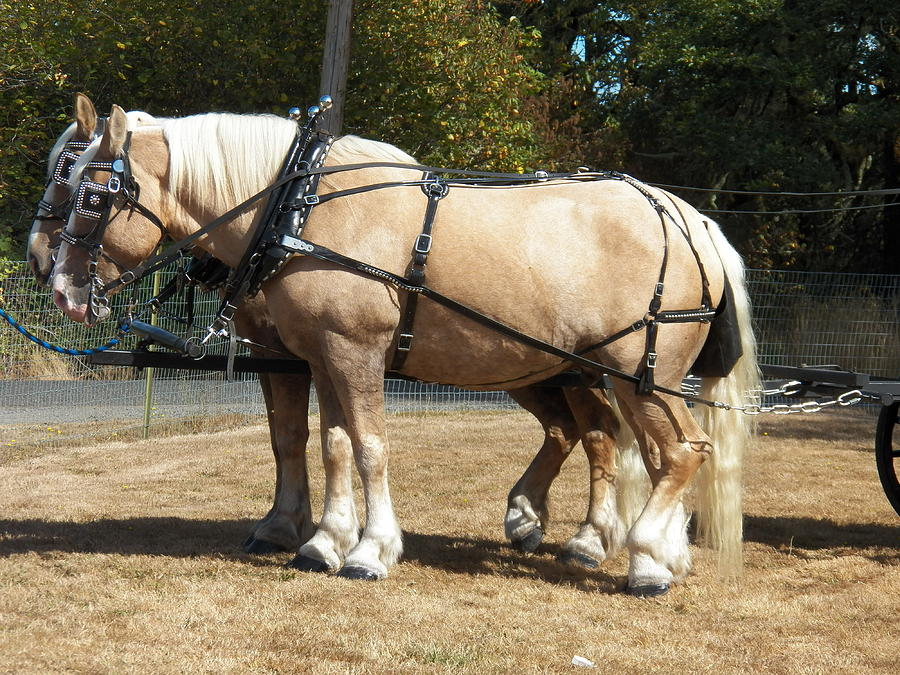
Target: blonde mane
x=348, y=149
x=225, y=158
x=221, y=159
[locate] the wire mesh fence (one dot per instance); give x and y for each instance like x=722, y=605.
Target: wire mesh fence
x=812, y=318
x=800, y=319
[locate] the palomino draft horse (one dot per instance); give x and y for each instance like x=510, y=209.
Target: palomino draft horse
x=565, y=414
x=562, y=264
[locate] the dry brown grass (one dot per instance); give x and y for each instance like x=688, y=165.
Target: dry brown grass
x=124, y=557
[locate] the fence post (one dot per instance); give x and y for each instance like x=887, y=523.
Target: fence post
x=148, y=372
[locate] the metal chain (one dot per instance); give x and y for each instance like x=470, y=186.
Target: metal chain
x=791, y=388
x=845, y=399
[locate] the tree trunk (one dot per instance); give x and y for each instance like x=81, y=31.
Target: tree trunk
x=336, y=61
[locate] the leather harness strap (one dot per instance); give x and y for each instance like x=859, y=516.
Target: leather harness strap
x=323, y=253
x=435, y=189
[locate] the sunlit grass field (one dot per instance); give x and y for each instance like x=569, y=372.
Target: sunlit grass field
x=124, y=556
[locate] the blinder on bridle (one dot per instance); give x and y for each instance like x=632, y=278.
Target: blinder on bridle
x=94, y=200
x=66, y=161
x=61, y=175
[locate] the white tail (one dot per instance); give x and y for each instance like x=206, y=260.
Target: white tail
x=719, y=488
x=632, y=481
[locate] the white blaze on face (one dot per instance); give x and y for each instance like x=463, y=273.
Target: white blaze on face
x=65, y=293
x=32, y=239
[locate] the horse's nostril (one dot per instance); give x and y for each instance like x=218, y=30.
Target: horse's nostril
x=41, y=276
x=60, y=300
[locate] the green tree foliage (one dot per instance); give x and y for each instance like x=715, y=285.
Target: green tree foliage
x=444, y=79
x=759, y=95
x=169, y=57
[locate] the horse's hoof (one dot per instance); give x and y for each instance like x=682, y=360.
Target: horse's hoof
x=648, y=591
x=356, y=572
x=530, y=543
x=578, y=559
x=307, y=564
x=262, y=547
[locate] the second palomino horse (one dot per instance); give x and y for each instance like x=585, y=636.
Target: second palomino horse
x=289, y=523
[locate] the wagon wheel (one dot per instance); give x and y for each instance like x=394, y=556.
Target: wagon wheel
x=887, y=453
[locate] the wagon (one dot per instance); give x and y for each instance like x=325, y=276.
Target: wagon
x=832, y=381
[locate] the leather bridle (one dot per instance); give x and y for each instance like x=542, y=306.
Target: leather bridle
x=95, y=201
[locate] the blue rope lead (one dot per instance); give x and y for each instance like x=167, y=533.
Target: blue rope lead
x=123, y=328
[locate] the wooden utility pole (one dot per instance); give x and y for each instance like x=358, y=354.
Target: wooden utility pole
x=336, y=61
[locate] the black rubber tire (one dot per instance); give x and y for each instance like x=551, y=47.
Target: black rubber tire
x=887, y=453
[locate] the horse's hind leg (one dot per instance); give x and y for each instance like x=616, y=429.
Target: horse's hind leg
x=602, y=533
x=528, y=511
x=657, y=542
x=289, y=522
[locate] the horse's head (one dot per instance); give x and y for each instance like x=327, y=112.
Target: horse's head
x=113, y=224
x=55, y=204
x=53, y=207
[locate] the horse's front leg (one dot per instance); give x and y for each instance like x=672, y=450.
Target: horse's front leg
x=289, y=522
x=338, y=530
x=355, y=375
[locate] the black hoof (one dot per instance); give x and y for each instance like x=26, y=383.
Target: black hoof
x=578, y=559
x=262, y=547
x=530, y=543
x=360, y=573
x=648, y=591
x=306, y=564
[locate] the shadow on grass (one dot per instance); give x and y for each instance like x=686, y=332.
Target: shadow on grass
x=180, y=538
x=468, y=555
x=880, y=543
x=176, y=537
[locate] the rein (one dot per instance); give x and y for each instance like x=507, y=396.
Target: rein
x=109, y=344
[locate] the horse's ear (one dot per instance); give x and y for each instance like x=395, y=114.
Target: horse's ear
x=115, y=134
x=85, y=118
